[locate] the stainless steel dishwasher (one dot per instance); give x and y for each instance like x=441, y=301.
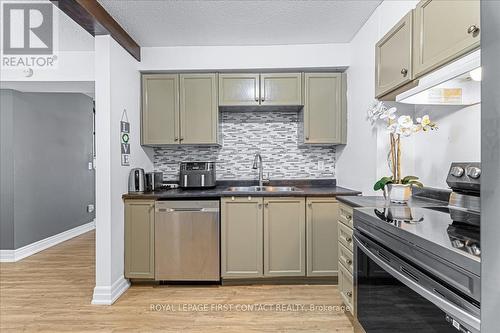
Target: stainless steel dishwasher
x=187, y=241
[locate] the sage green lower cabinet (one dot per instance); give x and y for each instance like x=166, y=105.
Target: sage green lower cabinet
x=345, y=256
x=198, y=108
x=325, y=117
x=139, y=239
x=241, y=237
x=284, y=237
x=322, y=236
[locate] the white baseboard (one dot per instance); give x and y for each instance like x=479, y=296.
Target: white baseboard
x=107, y=295
x=30, y=249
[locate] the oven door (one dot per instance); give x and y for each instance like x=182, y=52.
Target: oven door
x=392, y=295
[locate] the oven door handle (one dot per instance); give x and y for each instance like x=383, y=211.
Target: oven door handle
x=440, y=302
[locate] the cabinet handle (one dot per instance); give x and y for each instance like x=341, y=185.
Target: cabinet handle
x=404, y=71
x=309, y=205
x=473, y=29
x=176, y=139
x=307, y=138
x=181, y=138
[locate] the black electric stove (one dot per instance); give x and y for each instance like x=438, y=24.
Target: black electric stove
x=418, y=269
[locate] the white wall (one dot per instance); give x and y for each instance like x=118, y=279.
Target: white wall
x=427, y=154
x=117, y=88
x=458, y=139
x=364, y=159
x=244, y=57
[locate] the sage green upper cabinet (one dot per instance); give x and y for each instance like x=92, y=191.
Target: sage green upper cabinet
x=284, y=237
x=393, y=54
x=281, y=89
x=139, y=239
x=322, y=236
x=238, y=89
x=198, y=108
x=160, y=109
x=325, y=119
x=443, y=31
x=241, y=237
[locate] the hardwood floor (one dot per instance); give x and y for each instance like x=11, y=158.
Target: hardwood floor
x=51, y=292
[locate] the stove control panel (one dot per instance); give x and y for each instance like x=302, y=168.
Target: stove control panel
x=464, y=176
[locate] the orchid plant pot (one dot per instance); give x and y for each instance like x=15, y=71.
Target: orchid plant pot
x=398, y=193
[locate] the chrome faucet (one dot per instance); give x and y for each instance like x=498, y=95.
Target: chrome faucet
x=257, y=163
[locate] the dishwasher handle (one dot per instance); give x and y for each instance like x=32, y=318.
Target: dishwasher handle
x=188, y=210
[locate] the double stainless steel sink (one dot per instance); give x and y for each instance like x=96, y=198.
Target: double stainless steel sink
x=263, y=189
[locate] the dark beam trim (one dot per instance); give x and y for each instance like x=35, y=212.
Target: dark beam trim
x=91, y=16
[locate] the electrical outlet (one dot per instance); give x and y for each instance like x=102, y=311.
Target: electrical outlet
x=321, y=165
x=90, y=208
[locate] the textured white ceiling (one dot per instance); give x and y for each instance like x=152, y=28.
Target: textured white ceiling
x=226, y=22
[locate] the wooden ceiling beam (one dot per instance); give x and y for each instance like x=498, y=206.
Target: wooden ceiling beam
x=92, y=17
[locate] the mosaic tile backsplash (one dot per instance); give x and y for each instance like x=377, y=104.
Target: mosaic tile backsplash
x=273, y=134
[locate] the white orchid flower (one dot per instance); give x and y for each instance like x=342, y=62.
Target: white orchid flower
x=389, y=113
x=425, y=120
x=405, y=121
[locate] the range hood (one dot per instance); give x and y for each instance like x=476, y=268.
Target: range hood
x=457, y=83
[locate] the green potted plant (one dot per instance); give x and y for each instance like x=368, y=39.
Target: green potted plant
x=397, y=188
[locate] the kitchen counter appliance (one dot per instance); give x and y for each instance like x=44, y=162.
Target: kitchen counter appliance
x=154, y=181
x=418, y=269
x=136, y=180
x=187, y=241
x=197, y=174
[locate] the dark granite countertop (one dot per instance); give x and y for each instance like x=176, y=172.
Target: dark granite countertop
x=307, y=188
x=376, y=201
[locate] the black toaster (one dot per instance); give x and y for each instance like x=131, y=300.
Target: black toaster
x=197, y=174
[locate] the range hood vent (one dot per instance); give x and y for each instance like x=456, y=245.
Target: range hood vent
x=457, y=83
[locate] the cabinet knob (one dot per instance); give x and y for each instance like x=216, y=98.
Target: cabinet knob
x=404, y=71
x=309, y=205
x=473, y=29
x=348, y=239
x=266, y=205
x=176, y=139
x=307, y=138
x=348, y=261
x=349, y=294
x=260, y=206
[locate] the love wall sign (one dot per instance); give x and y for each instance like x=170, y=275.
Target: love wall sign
x=124, y=139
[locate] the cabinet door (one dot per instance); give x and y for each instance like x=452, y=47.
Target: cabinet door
x=198, y=109
x=284, y=237
x=324, y=108
x=160, y=109
x=241, y=237
x=281, y=89
x=346, y=288
x=139, y=239
x=393, y=55
x=443, y=31
x=238, y=89
x=322, y=237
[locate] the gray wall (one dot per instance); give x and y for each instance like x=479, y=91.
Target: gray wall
x=52, y=145
x=6, y=170
x=490, y=159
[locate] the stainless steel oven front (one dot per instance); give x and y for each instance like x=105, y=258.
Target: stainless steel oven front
x=392, y=294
